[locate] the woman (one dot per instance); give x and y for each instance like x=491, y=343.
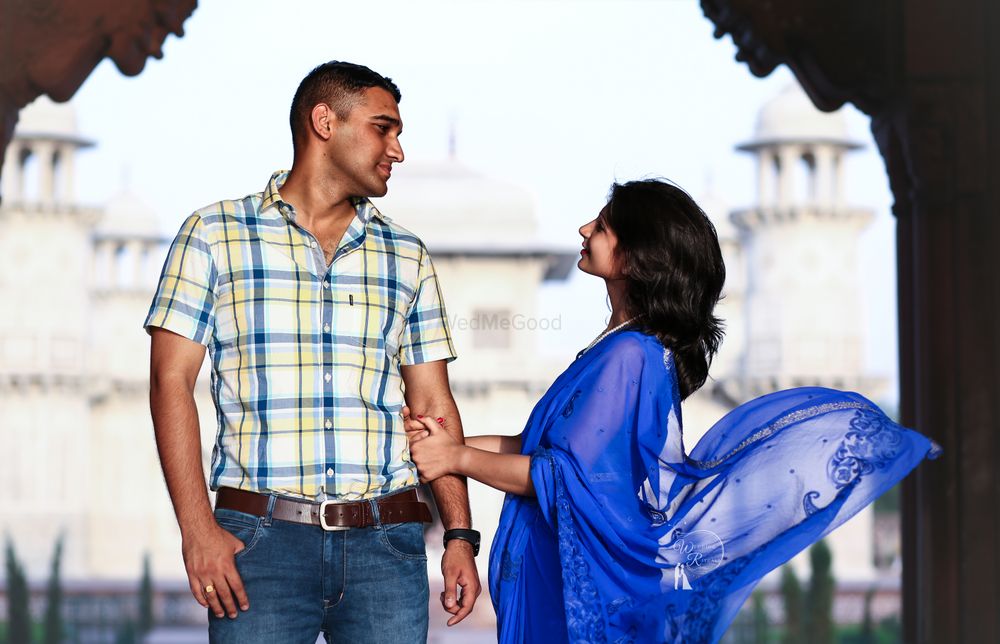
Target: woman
x=611, y=532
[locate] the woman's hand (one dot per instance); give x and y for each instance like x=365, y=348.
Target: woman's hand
x=434, y=451
x=495, y=460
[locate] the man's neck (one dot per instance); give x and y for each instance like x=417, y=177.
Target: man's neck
x=316, y=200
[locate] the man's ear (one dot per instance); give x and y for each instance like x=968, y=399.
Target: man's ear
x=323, y=121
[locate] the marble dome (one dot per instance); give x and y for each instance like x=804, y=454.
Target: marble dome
x=45, y=119
x=128, y=216
x=446, y=203
x=790, y=117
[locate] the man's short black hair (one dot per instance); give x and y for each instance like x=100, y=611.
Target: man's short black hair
x=339, y=85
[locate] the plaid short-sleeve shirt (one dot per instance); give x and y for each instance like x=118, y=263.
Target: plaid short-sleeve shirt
x=305, y=357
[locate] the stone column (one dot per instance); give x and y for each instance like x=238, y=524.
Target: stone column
x=11, y=189
x=765, y=178
x=825, y=160
x=134, y=252
x=103, y=262
x=67, y=159
x=45, y=152
x=788, y=156
x=838, y=182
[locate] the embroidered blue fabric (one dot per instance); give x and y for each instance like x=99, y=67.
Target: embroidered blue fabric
x=631, y=539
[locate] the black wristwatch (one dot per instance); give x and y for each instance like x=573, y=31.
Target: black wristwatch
x=472, y=536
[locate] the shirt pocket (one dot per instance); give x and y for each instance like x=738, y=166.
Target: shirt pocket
x=370, y=314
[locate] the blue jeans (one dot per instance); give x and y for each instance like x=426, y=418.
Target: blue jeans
x=356, y=585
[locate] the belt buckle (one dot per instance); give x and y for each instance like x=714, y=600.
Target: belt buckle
x=322, y=518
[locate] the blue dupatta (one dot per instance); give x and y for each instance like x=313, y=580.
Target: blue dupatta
x=632, y=540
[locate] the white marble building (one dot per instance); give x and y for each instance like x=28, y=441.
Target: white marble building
x=77, y=455
x=792, y=302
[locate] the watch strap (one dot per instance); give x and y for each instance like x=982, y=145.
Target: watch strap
x=465, y=534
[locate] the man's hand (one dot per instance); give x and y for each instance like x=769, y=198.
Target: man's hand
x=411, y=424
x=210, y=561
x=461, y=580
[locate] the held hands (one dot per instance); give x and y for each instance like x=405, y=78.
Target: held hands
x=211, y=568
x=434, y=451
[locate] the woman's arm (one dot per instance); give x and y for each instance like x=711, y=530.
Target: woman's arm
x=505, y=472
x=437, y=453
x=495, y=444
x=489, y=443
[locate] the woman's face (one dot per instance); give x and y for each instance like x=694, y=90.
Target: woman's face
x=599, y=244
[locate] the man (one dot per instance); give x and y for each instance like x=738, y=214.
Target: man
x=317, y=311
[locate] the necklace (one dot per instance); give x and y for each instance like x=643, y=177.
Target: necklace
x=607, y=333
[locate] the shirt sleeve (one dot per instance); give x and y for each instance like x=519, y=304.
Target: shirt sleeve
x=426, y=336
x=184, y=302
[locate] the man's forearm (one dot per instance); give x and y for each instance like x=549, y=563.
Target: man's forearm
x=451, y=493
x=178, y=441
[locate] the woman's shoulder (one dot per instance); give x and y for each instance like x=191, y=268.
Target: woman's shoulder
x=633, y=345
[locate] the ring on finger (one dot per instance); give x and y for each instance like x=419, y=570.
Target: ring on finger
x=209, y=589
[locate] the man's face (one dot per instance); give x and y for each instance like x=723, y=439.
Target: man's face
x=366, y=144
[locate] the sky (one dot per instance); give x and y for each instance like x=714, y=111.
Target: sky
x=560, y=97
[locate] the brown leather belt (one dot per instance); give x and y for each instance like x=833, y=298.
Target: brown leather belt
x=403, y=507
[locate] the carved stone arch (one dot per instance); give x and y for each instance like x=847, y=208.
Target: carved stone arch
x=51, y=46
x=928, y=74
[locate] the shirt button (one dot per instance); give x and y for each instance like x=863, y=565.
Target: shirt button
x=329, y=423
x=326, y=283
x=313, y=243
x=326, y=327
x=329, y=472
x=327, y=377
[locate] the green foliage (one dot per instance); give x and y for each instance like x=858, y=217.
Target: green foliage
x=891, y=630
x=886, y=632
x=819, y=597
x=18, y=595
x=867, y=627
x=761, y=627
x=145, y=624
x=127, y=634
x=53, y=624
x=791, y=593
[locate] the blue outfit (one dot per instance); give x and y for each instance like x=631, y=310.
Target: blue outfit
x=356, y=585
x=630, y=539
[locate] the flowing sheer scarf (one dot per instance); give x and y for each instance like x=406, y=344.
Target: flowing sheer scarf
x=651, y=544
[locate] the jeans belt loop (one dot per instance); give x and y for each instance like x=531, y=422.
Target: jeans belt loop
x=271, y=500
x=375, y=515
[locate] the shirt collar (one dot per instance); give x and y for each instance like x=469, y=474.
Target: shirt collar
x=363, y=206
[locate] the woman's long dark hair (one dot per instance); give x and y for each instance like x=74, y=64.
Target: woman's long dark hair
x=669, y=252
